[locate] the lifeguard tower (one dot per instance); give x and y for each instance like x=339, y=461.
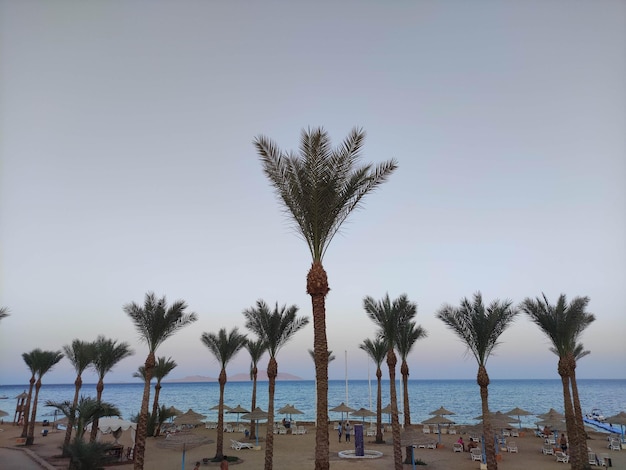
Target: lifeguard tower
x=20, y=409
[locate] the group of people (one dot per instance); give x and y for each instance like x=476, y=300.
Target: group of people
x=344, y=429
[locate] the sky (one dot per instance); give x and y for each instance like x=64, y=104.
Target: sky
x=127, y=166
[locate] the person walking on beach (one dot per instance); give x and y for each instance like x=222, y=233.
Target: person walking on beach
x=347, y=431
x=339, y=430
x=563, y=443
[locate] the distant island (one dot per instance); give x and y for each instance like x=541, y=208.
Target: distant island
x=241, y=377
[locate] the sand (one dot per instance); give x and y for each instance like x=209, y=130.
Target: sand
x=297, y=451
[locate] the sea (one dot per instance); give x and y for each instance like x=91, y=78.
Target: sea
x=462, y=397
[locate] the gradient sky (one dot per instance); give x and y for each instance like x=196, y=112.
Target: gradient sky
x=127, y=166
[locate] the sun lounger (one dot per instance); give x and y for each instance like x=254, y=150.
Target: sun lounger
x=431, y=445
x=511, y=447
x=457, y=447
x=561, y=457
x=476, y=454
x=240, y=445
x=426, y=429
x=547, y=449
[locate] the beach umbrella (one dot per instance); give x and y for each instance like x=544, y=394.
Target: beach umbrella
x=175, y=411
x=239, y=410
x=552, y=413
x=519, y=412
x=290, y=410
x=619, y=418
x=256, y=415
x=3, y=413
x=442, y=411
x=363, y=413
x=387, y=409
x=189, y=417
x=342, y=408
x=438, y=420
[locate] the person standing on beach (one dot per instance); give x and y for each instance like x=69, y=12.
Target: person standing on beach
x=563, y=443
x=347, y=431
x=339, y=429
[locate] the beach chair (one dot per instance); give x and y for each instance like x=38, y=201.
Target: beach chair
x=452, y=430
x=615, y=444
x=603, y=460
x=431, y=445
x=547, y=449
x=240, y=445
x=228, y=427
x=426, y=429
x=514, y=433
x=476, y=454
x=561, y=457
x=511, y=447
x=282, y=429
x=457, y=447
x=506, y=433
x=591, y=458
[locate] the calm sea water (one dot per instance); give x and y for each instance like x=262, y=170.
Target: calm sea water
x=459, y=396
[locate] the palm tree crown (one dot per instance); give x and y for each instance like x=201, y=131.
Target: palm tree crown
x=323, y=185
x=224, y=345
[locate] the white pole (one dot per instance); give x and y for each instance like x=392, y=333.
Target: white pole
x=369, y=380
x=346, y=364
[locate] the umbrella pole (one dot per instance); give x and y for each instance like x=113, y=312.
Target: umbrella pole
x=183, y=463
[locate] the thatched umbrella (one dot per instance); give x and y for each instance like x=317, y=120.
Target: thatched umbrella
x=239, y=410
x=518, y=412
x=290, y=410
x=552, y=413
x=438, y=420
x=619, y=418
x=189, y=417
x=363, y=413
x=442, y=411
x=342, y=408
x=256, y=415
x=387, y=409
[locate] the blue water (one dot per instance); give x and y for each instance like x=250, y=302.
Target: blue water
x=459, y=396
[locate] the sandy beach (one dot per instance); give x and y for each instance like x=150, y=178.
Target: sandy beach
x=298, y=450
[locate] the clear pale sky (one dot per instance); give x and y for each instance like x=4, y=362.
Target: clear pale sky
x=127, y=166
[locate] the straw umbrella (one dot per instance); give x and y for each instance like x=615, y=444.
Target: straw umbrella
x=256, y=415
x=619, y=418
x=189, y=417
x=363, y=413
x=290, y=410
x=442, y=411
x=387, y=410
x=519, y=412
x=342, y=408
x=438, y=420
x=239, y=410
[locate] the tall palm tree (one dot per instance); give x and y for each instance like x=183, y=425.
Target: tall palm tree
x=80, y=354
x=30, y=358
x=155, y=322
x=275, y=327
x=331, y=358
x=391, y=317
x=564, y=323
x=45, y=361
x=224, y=347
x=479, y=327
x=256, y=349
x=319, y=188
x=377, y=350
x=107, y=353
x=407, y=337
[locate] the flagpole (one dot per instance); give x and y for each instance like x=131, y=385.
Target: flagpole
x=346, y=364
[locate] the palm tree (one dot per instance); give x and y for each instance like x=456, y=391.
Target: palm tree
x=224, y=347
x=30, y=359
x=275, y=328
x=407, y=337
x=162, y=368
x=563, y=323
x=319, y=189
x=4, y=312
x=256, y=349
x=391, y=317
x=377, y=350
x=331, y=358
x=164, y=414
x=155, y=322
x=107, y=353
x=479, y=328
x=80, y=354
x=45, y=361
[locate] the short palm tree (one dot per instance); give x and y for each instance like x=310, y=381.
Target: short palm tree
x=30, y=358
x=107, y=353
x=274, y=327
x=391, y=317
x=4, y=312
x=45, y=361
x=163, y=415
x=377, y=350
x=256, y=349
x=162, y=368
x=224, y=346
x=80, y=354
x=564, y=323
x=155, y=322
x=319, y=188
x=479, y=327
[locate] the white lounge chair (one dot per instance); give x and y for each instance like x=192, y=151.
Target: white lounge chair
x=426, y=429
x=476, y=454
x=514, y=433
x=591, y=457
x=431, y=445
x=371, y=432
x=228, y=427
x=452, y=430
x=615, y=444
x=511, y=447
x=561, y=457
x=240, y=445
x=457, y=447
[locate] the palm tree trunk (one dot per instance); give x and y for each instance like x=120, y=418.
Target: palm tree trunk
x=272, y=372
x=30, y=437
x=95, y=423
x=142, y=424
x=25, y=414
x=581, y=434
x=395, y=423
x=255, y=371
x=219, y=445
x=490, y=450
x=155, y=403
x=404, y=370
x=317, y=288
x=379, y=407
x=78, y=383
x=570, y=422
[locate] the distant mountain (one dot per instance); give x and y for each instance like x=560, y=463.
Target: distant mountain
x=241, y=377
